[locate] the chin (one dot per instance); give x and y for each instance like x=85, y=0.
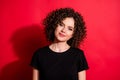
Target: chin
x=61, y=40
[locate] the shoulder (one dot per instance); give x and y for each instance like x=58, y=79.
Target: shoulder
x=77, y=50
x=41, y=50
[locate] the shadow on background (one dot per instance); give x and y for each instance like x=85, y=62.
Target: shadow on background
x=24, y=42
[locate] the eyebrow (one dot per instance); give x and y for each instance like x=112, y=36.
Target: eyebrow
x=68, y=26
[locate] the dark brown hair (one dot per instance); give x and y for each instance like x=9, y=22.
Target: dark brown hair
x=56, y=16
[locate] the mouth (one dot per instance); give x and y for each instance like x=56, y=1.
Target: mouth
x=62, y=35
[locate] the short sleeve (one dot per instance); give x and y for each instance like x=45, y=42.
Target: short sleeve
x=35, y=60
x=82, y=62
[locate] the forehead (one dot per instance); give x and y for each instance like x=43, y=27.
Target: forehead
x=69, y=21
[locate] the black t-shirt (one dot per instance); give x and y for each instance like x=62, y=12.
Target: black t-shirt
x=59, y=66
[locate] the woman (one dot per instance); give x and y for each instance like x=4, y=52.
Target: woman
x=61, y=60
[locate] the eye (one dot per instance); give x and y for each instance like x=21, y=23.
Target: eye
x=61, y=24
x=71, y=29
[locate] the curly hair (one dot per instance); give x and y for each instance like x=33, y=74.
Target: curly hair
x=56, y=16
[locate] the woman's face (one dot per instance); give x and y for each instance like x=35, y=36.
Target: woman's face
x=64, y=30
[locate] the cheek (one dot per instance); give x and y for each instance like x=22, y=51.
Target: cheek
x=56, y=31
x=71, y=35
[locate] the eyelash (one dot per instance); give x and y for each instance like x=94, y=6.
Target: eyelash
x=70, y=29
x=61, y=24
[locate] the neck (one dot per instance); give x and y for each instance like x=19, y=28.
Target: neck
x=59, y=46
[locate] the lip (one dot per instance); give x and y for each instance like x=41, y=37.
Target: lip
x=62, y=35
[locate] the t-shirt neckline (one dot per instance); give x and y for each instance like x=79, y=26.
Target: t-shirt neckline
x=59, y=53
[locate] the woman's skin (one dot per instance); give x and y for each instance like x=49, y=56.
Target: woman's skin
x=63, y=32
x=35, y=74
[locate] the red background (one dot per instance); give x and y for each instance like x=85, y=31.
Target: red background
x=21, y=33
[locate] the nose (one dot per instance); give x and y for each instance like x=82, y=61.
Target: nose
x=64, y=29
